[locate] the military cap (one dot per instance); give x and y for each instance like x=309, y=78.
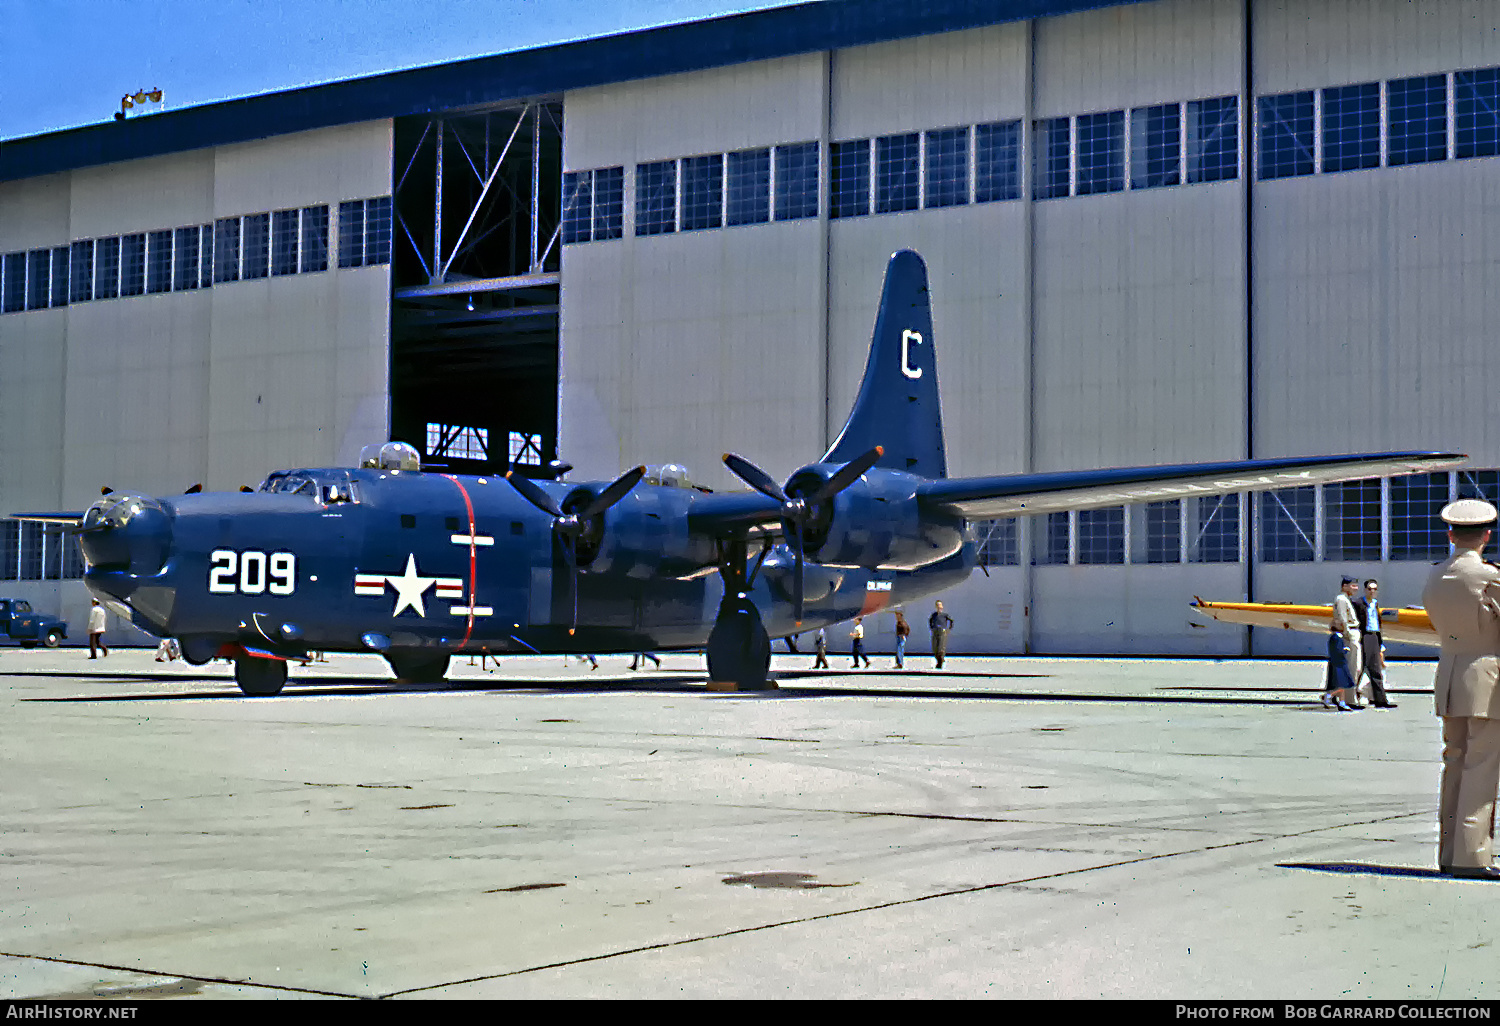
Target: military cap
x=1468, y=513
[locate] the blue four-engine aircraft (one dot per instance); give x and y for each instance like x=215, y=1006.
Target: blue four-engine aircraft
x=420, y=566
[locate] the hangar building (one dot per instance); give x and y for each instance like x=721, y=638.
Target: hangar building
x=1156, y=232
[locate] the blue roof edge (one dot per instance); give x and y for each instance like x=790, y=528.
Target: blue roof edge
x=542, y=71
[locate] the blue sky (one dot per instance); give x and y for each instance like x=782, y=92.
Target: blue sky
x=65, y=63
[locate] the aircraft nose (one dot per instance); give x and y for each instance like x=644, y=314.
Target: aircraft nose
x=126, y=533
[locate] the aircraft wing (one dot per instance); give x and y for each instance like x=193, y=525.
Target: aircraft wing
x=1412, y=626
x=1032, y=494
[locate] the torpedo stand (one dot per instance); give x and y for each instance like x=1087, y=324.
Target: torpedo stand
x=739, y=650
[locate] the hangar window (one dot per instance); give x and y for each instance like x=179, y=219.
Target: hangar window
x=1477, y=112
x=796, y=181
x=10, y=550
x=1479, y=484
x=378, y=228
x=314, y=239
x=59, y=295
x=107, y=268
x=1216, y=537
x=206, y=256
x=1156, y=146
x=898, y=172
x=1101, y=152
x=256, y=252
x=1286, y=135
x=13, y=282
x=159, y=261
x=185, y=274
x=997, y=162
x=849, y=186
x=1351, y=520
x=352, y=233
x=465, y=443
x=998, y=542
x=31, y=552
x=577, y=214
x=609, y=207
x=1288, y=525
x=947, y=182
x=703, y=192
x=81, y=272
x=1351, y=127
x=1051, y=546
x=656, y=198
x=284, y=242
x=525, y=449
x=1161, y=539
x=133, y=264
x=1416, y=531
x=1101, y=535
x=1053, y=153
x=38, y=277
x=1417, y=114
x=227, y=249
x=1213, y=139
x=747, y=187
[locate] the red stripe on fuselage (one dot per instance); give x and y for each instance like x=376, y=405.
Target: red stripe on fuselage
x=473, y=558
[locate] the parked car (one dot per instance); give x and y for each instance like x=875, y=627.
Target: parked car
x=18, y=622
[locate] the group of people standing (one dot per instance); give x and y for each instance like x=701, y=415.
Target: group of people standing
x=1355, y=649
x=939, y=623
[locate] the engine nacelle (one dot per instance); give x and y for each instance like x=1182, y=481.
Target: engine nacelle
x=875, y=523
x=643, y=535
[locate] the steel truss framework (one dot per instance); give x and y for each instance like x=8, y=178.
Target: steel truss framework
x=477, y=252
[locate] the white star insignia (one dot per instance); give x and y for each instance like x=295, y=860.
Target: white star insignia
x=409, y=588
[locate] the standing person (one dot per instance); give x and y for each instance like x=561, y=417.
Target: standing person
x=940, y=623
x=903, y=631
x=1346, y=627
x=97, y=623
x=1462, y=597
x=1367, y=611
x=822, y=646
x=858, y=634
x=641, y=657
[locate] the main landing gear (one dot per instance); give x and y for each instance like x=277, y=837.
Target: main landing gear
x=739, y=650
x=258, y=677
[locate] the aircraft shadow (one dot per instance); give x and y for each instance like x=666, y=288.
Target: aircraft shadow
x=1363, y=869
x=641, y=683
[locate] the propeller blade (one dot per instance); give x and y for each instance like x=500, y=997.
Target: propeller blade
x=846, y=476
x=106, y=490
x=616, y=491
x=246, y=488
x=754, y=477
x=570, y=549
x=195, y=489
x=532, y=494
x=797, y=580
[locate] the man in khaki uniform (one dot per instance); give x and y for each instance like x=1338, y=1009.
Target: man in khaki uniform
x=1346, y=626
x=1463, y=599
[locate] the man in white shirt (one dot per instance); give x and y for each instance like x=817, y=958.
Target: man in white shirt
x=97, y=624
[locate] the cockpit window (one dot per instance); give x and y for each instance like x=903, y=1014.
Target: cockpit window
x=669, y=475
x=329, y=489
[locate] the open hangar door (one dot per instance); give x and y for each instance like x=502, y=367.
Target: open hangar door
x=474, y=316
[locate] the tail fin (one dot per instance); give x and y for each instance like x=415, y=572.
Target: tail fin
x=898, y=407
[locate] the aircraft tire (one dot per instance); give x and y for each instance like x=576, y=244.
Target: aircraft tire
x=419, y=669
x=260, y=677
x=739, y=650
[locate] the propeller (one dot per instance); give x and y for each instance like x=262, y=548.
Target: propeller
x=569, y=525
x=798, y=509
